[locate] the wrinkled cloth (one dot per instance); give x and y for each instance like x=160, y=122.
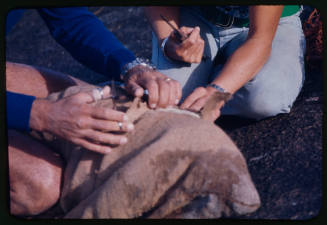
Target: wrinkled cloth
x=174, y=165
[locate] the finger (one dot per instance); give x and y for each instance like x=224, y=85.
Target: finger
x=186, y=30
x=153, y=90
x=195, y=34
x=83, y=97
x=106, y=92
x=178, y=91
x=134, y=89
x=192, y=39
x=172, y=93
x=198, y=104
x=164, y=93
x=105, y=138
x=198, y=51
x=92, y=146
x=216, y=114
x=213, y=115
x=196, y=94
x=108, y=114
x=107, y=126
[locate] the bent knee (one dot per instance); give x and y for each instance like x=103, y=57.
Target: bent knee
x=265, y=106
x=34, y=175
x=37, y=193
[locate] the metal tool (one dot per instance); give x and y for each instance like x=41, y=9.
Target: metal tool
x=114, y=95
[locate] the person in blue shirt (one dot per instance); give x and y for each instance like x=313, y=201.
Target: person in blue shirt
x=34, y=169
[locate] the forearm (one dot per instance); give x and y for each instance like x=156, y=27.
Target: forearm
x=86, y=38
x=248, y=59
x=244, y=64
x=159, y=26
x=39, y=112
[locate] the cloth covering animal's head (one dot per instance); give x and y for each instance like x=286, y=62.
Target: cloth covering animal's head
x=175, y=165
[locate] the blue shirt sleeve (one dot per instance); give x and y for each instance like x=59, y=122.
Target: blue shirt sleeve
x=12, y=18
x=82, y=34
x=18, y=110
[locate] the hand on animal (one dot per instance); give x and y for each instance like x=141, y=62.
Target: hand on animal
x=75, y=119
x=205, y=100
x=162, y=91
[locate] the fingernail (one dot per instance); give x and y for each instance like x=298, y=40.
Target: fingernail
x=138, y=92
x=130, y=127
x=123, y=140
x=153, y=106
x=125, y=118
x=176, y=101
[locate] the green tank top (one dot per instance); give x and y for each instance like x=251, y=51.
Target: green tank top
x=242, y=12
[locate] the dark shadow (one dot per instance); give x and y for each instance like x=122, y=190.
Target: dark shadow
x=229, y=123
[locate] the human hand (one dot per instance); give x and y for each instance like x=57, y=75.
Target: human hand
x=73, y=118
x=189, y=50
x=205, y=100
x=163, y=91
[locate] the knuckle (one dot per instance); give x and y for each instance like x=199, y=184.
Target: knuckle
x=180, y=52
x=80, y=122
x=101, y=138
x=84, y=108
x=112, y=139
x=192, y=41
x=183, y=28
x=79, y=96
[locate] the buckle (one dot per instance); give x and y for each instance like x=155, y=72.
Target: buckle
x=229, y=22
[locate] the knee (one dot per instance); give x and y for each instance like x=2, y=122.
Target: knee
x=266, y=105
x=36, y=193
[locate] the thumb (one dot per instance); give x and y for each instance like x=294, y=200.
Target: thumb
x=215, y=114
x=186, y=30
x=93, y=95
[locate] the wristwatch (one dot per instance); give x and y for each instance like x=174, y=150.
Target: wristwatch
x=136, y=62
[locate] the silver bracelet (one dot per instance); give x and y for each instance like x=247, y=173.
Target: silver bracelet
x=217, y=87
x=136, y=62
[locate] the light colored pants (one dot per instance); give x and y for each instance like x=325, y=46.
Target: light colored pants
x=272, y=91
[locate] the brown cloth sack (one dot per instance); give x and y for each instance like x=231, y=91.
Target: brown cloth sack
x=174, y=165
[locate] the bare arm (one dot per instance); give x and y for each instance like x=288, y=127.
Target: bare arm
x=246, y=61
x=160, y=27
x=249, y=58
x=189, y=50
